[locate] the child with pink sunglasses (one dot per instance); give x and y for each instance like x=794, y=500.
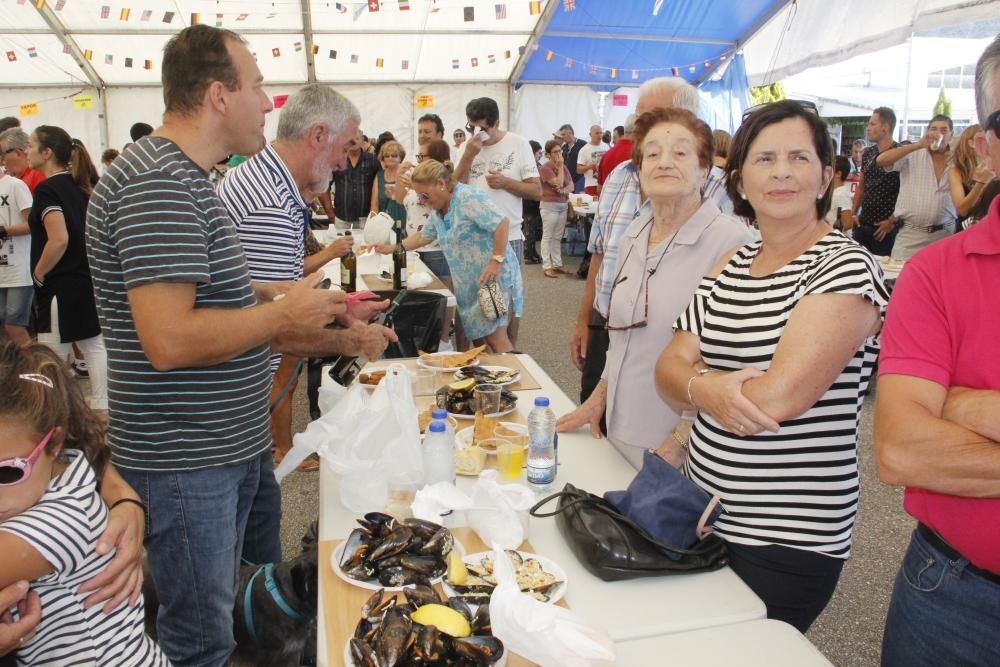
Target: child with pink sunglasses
x=52, y=456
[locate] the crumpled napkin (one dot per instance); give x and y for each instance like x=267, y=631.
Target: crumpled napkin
x=418, y=279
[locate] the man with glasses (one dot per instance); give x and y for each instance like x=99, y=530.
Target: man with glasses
x=937, y=431
x=14, y=149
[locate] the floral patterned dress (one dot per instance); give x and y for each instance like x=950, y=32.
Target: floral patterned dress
x=465, y=234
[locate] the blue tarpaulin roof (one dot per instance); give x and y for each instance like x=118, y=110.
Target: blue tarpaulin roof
x=609, y=44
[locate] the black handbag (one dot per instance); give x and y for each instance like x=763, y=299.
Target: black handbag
x=613, y=547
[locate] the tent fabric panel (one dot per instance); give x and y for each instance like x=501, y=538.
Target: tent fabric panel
x=540, y=110
x=16, y=17
x=422, y=15
x=55, y=107
x=178, y=14
x=49, y=64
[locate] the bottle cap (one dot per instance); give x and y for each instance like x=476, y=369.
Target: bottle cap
x=436, y=427
x=439, y=413
x=541, y=402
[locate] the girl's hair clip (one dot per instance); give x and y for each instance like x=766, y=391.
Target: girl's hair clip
x=37, y=377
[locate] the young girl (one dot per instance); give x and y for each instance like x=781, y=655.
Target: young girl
x=52, y=455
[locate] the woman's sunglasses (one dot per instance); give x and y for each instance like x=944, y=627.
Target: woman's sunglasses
x=16, y=470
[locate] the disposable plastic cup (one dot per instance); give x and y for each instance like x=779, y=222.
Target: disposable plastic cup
x=510, y=458
x=424, y=381
x=486, y=398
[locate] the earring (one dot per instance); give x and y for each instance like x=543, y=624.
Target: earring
x=819, y=196
x=743, y=196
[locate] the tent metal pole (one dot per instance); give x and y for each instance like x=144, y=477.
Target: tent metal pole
x=543, y=23
x=307, y=28
x=904, y=132
x=96, y=81
x=776, y=8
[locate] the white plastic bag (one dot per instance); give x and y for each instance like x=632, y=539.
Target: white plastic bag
x=544, y=633
x=499, y=511
x=369, y=440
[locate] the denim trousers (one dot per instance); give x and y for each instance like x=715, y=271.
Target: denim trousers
x=940, y=613
x=262, y=540
x=193, y=544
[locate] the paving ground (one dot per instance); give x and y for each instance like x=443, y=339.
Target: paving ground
x=849, y=632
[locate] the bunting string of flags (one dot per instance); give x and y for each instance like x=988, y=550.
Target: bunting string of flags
x=612, y=72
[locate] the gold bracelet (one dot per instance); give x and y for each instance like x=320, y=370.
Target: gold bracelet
x=677, y=437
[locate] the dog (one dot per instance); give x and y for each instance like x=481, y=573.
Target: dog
x=274, y=618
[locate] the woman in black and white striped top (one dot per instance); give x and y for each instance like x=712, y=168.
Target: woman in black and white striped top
x=775, y=352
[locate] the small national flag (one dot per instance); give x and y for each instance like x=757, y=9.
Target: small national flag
x=66, y=49
x=148, y=64
x=373, y=5
x=146, y=15
x=315, y=49
x=60, y=4
x=691, y=69
x=635, y=74
x=242, y=17
x=40, y=4
x=593, y=70
x=105, y=11
x=568, y=63
x=276, y=52
x=548, y=56
x=708, y=65
x=341, y=7
x=454, y=63
x=11, y=56
x=333, y=54
x=501, y=12
x=123, y=15
x=88, y=54
x=405, y=64
x=569, y=5
x=128, y=62
x=506, y=55
x=379, y=62
x=168, y=17
x=492, y=58
x=614, y=73
x=195, y=19
x=470, y=14
x=354, y=59
x=32, y=53
x=218, y=20
x=520, y=50
x=475, y=62
x=109, y=59
x=404, y=5
x=298, y=46
x=534, y=7
x=675, y=71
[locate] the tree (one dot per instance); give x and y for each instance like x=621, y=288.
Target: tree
x=765, y=94
x=943, y=105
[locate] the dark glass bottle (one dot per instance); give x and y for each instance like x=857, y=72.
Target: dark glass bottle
x=349, y=270
x=399, y=261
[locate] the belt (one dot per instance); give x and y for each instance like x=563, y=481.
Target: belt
x=930, y=229
x=952, y=554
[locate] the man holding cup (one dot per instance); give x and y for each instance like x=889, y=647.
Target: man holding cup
x=924, y=210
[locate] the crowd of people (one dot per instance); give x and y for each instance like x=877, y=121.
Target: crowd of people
x=734, y=311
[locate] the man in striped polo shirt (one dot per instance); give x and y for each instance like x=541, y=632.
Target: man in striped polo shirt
x=188, y=336
x=268, y=199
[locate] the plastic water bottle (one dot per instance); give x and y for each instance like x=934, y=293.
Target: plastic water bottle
x=541, y=446
x=439, y=454
x=441, y=414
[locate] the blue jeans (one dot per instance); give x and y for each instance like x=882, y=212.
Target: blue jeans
x=262, y=541
x=940, y=613
x=196, y=524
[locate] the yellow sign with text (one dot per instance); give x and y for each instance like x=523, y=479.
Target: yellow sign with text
x=83, y=102
x=29, y=109
x=425, y=101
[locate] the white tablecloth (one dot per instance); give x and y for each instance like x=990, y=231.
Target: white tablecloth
x=627, y=610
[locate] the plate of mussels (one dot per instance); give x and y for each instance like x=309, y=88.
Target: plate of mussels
x=538, y=576
x=384, y=552
x=458, y=398
x=424, y=630
x=501, y=375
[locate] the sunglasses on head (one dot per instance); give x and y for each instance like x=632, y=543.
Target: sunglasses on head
x=992, y=124
x=16, y=470
x=805, y=104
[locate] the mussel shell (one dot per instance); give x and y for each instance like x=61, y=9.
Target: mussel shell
x=355, y=547
x=460, y=606
x=428, y=645
x=463, y=589
x=439, y=544
x=395, y=636
x=478, y=648
x=422, y=528
x=398, y=576
x=421, y=594
x=362, y=654
x=428, y=566
x=395, y=542
x=481, y=624
x=379, y=523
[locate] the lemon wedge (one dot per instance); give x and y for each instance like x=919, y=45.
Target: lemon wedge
x=445, y=619
x=457, y=572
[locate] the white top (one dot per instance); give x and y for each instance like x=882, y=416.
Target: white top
x=924, y=200
x=512, y=157
x=15, y=251
x=591, y=154
x=841, y=199
x=63, y=526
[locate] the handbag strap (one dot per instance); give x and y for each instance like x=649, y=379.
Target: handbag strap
x=703, y=531
x=602, y=506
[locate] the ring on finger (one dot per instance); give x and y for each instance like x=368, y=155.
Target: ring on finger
x=740, y=428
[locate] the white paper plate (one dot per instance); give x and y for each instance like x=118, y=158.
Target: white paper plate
x=349, y=661
x=441, y=369
x=496, y=369
x=463, y=438
x=494, y=415
x=548, y=565
x=373, y=585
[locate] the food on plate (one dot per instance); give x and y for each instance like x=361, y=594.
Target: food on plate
x=424, y=419
x=373, y=377
x=486, y=428
x=457, y=398
x=531, y=578
x=454, y=359
x=426, y=630
x=487, y=375
x=470, y=460
x=396, y=553
x=457, y=572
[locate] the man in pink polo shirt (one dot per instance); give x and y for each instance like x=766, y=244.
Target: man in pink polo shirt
x=937, y=431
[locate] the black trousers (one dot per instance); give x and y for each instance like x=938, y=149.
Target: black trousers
x=593, y=365
x=865, y=236
x=795, y=585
